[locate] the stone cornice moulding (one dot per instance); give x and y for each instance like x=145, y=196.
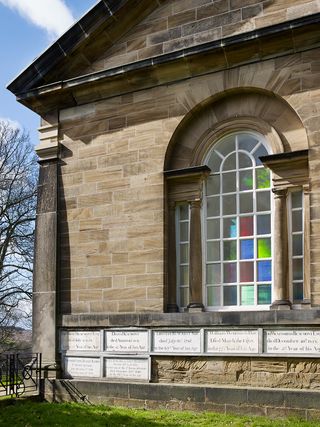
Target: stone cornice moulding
x=48, y=149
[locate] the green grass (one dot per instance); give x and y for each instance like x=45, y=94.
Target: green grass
x=28, y=414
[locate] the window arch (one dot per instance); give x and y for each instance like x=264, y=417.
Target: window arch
x=237, y=224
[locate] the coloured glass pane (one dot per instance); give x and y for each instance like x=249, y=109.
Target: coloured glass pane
x=213, y=251
x=213, y=185
x=213, y=206
x=246, y=272
x=244, y=161
x=184, y=253
x=230, y=250
x=184, y=212
x=230, y=227
x=296, y=199
x=230, y=295
x=297, y=269
x=263, y=201
x=297, y=245
x=214, y=162
x=227, y=145
x=229, y=204
x=263, y=178
x=264, y=271
x=247, y=295
x=297, y=291
x=297, y=221
x=264, y=248
x=184, y=297
x=184, y=275
x=230, y=272
x=246, y=249
x=246, y=202
x=246, y=142
x=213, y=228
x=230, y=163
x=213, y=274
x=213, y=296
x=246, y=180
x=246, y=226
x=229, y=182
x=184, y=231
x=259, y=152
x=264, y=294
x=263, y=224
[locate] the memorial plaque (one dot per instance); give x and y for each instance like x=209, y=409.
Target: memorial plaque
x=176, y=342
x=232, y=341
x=82, y=367
x=292, y=341
x=127, y=368
x=127, y=341
x=80, y=340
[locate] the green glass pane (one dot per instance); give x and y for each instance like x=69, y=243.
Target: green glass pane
x=213, y=185
x=184, y=253
x=263, y=178
x=230, y=227
x=184, y=297
x=184, y=231
x=247, y=295
x=264, y=294
x=244, y=161
x=229, y=204
x=230, y=295
x=297, y=245
x=298, y=292
x=213, y=206
x=184, y=212
x=264, y=248
x=213, y=251
x=246, y=142
x=263, y=201
x=213, y=228
x=297, y=269
x=297, y=220
x=246, y=202
x=230, y=250
x=184, y=275
x=214, y=162
x=230, y=163
x=213, y=296
x=213, y=274
x=259, y=152
x=296, y=199
x=229, y=182
x=246, y=180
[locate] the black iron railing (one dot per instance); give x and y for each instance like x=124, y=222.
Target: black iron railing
x=20, y=374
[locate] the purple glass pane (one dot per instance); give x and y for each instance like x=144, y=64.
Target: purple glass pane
x=230, y=272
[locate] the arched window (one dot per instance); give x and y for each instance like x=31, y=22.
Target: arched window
x=237, y=224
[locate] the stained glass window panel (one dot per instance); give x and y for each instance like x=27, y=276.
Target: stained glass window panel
x=213, y=206
x=230, y=295
x=264, y=248
x=230, y=250
x=213, y=185
x=246, y=249
x=213, y=251
x=263, y=224
x=264, y=271
x=297, y=245
x=297, y=269
x=229, y=182
x=213, y=228
x=246, y=202
x=230, y=272
x=264, y=294
x=184, y=231
x=246, y=180
x=214, y=274
x=246, y=272
x=263, y=201
x=247, y=295
x=229, y=204
x=214, y=296
x=230, y=227
x=263, y=178
x=246, y=226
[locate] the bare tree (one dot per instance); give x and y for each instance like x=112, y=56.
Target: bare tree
x=17, y=215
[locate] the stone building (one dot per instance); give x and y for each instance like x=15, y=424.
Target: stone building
x=178, y=218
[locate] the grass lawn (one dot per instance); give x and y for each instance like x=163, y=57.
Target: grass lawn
x=28, y=414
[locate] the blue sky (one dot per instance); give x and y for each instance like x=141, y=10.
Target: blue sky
x=22, y=39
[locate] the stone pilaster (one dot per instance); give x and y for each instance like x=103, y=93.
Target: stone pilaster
x=45, y=263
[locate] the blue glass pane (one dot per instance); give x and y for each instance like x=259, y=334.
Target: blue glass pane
x=264, y=271
x=230, y=295
x=246, y=249
x=264, y=294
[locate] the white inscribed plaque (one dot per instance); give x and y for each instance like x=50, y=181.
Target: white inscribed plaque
x=232, y=341
x=80, y=340
x=292, y=341
x=176, y=342
x=82, y=367
x=127, y=341
x=127, y=368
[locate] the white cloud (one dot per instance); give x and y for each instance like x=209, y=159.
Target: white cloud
x=12, y=123
x=52, y=15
